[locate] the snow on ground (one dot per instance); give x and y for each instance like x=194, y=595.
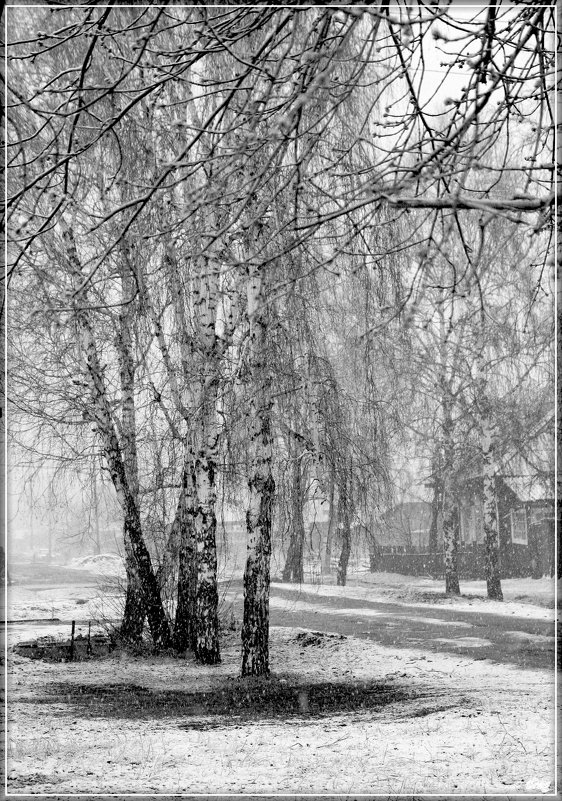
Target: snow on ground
x=339, y=715
x=42, y=602
x=102, y=564
x=535, y=591
x=420, y=723
x=530, y=598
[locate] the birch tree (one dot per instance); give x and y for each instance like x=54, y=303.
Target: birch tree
x=204, y=460
x=261, y=485
x=121, y=469
x=133, y=616
x=270, y=134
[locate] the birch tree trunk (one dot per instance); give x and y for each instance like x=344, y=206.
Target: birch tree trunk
x=450, y=529
x=184, y=395
x=489, y=504
x=157, y=620
x=184, y=623
x=344, y=513
x=204, y=462
x=447, y=516
x=445, y=485
x=96, y=514
x=332, y=521
x=134, y=614
x=436, y=506
x=101, y=415
x=205, y=523
x=448, y=525
x=489, y=500
x=294, y=564
x=261, y=486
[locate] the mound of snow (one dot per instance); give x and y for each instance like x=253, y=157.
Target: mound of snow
x=104, y=564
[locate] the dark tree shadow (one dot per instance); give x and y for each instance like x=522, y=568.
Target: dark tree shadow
x=237, y=701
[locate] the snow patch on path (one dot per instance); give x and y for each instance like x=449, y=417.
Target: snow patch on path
x=436, y=621
x=525, y=636
x=465, y=642
x=407, y=595
x=304, y=606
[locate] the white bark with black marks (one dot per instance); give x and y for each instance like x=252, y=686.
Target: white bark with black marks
x=448, y=521
x=293, y=570
x=101, y=414
x=255, y=627
x=204, y=458
x=184, y=624
x=134, y=613
x=344, y=526
x=489, y=509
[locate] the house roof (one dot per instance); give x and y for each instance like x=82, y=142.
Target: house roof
x=528, y=489
x=526, y=469
x=539, y=442
x=410, y=512
x=530, y=474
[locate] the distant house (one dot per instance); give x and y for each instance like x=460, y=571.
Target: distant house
x=401, y=541
x=406, y=527
x=525, y=524
x=525, y=508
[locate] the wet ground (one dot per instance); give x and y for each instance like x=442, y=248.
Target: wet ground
x=230, y=703
x=506, y=639
x=502, y=638
x=418, y=713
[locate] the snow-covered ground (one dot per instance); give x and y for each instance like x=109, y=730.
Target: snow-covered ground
x=340, y=715
x=44, y=602
x=102, y=564
x=536, y=591
x=443, y=724
x=531, y=598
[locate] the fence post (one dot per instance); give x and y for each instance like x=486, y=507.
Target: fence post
x=72, y=641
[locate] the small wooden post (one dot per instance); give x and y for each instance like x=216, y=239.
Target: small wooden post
x=303, y=701
x=71, y=659
x=89, y=646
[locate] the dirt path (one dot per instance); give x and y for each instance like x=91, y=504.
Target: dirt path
x=502, y=638
x=505, y=639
